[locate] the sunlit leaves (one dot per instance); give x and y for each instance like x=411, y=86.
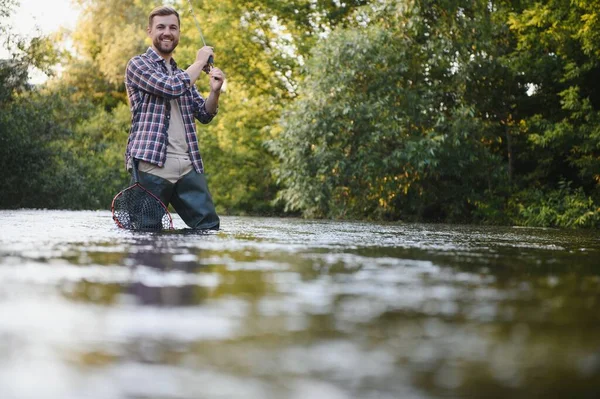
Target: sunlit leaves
x=108, y=34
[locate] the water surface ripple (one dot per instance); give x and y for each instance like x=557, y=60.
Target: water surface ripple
x=289, y=308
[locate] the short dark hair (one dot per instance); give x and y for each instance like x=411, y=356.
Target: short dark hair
x=163, y=11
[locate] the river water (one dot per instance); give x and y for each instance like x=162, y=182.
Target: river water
x=289, y=308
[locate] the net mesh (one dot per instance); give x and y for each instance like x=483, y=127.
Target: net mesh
x=137, y=209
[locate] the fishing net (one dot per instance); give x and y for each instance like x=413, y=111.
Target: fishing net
x=136, y=208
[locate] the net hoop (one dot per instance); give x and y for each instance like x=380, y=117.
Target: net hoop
x=130, y=208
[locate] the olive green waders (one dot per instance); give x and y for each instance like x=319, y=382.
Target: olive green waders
x=189, y=196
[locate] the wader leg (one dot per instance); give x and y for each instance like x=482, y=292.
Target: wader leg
x=193, y=202
x=158, y=186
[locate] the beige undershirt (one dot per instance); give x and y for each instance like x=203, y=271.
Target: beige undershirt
x=178, y=162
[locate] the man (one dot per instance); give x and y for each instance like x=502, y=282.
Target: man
x=164, y=102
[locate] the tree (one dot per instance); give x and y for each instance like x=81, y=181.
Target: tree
x=382, y=127
x=558, y=51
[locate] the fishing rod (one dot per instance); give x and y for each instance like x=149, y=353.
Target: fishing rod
x=209, y=65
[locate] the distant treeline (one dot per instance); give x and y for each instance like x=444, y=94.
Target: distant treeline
x=445, y=111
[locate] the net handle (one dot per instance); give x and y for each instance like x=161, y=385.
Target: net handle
x=134, y=171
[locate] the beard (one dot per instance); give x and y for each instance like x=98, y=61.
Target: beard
x=165, y=47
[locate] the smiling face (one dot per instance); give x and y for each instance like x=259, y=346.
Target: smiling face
x=164, y=33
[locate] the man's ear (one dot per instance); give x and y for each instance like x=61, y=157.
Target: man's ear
x=148, y=29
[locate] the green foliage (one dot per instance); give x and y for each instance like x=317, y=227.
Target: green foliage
x=556, y=41
x=98, y=141
x=377, y=130
x=36, y=170
x=564, y=207
x=330, y=140
x=51, y=159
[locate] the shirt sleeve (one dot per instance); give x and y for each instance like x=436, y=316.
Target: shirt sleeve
x=143, y=76
x=199, y=105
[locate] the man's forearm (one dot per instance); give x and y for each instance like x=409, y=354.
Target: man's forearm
x=212, y=102
x=194, y=71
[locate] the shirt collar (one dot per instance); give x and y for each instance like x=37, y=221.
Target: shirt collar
x=156, y=57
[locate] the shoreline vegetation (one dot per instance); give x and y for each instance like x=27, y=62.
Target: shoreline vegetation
x=429, y=111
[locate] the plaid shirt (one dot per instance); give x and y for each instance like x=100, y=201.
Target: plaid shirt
x=150, y=88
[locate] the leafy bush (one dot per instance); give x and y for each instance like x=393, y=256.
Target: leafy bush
x=564, y=207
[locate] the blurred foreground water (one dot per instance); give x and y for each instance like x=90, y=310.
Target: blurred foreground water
x=287, y=308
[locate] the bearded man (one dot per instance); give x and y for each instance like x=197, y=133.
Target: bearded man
x=164, y=104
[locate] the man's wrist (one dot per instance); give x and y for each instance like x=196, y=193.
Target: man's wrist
x=213, y=113
x=200, y=65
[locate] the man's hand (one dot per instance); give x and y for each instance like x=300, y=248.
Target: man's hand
x=217, y=77
x=200, y=63
x=203, y=55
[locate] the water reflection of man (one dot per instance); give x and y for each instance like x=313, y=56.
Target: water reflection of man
x=159, y=265
x=164, y=103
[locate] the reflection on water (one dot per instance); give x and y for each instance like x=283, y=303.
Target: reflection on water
x=285, y=308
